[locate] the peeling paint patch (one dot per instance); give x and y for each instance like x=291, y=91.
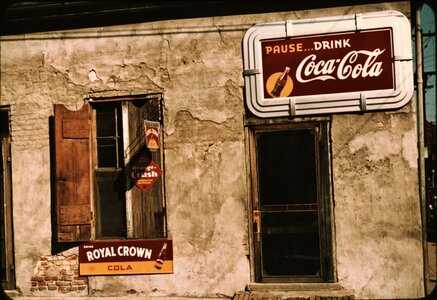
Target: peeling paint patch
x=410, y=153
x=379, y=144
x=92, y=75
x=382, y=144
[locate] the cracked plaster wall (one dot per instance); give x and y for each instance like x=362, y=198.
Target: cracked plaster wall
x=197, y=64
x=200, y=75
x=377, y=209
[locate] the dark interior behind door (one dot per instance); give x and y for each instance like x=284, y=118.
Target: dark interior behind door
x=289, y=205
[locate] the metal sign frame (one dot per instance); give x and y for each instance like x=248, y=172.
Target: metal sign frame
x=356, y=101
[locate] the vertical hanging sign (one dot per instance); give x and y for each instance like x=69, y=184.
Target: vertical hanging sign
x=152, y=130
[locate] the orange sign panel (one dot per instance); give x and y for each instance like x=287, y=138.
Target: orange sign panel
x=126, y=257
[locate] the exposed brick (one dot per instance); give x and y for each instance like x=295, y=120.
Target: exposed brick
x=51, y=278
x=37, y=278
x=58, y=273
x=40, y=273
x=72, y=288
x=62, y=283
x=77, y=282
x=84, y=278
x=68, y=277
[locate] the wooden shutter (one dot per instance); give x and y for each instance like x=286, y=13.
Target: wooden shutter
x=73, y=180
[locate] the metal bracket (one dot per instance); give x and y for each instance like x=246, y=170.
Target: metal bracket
x=288, y=28
x=402, y=57
x=363, y=102
x=292, y=103
x=358, y=22
x=251, y=72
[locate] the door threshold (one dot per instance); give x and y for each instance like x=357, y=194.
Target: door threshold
x=322, y=291
x=256, y=286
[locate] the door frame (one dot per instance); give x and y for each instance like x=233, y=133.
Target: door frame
x=6, y=197
x=325, y=210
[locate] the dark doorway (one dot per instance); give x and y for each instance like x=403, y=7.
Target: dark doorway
x=291, y=233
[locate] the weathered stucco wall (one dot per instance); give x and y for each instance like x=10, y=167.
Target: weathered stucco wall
x=197, y=64
x=198, y=67
x=378, y=233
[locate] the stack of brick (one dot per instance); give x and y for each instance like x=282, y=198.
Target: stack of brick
x=58, y=273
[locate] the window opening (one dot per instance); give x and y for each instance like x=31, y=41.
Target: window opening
x=109, y=175
x=122, y=209
x=108, y=135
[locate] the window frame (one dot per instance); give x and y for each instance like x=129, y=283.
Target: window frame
x=129, y=152
x=74, y=183
x=100, y=170
x=117, y=137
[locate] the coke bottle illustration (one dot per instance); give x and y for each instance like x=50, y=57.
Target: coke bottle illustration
x=161, y=257
x=280, y=83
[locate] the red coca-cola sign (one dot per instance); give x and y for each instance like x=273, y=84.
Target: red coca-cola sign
x=350, y=63
x=336, y=63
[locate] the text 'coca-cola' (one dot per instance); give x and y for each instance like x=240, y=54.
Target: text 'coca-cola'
x=334, y=63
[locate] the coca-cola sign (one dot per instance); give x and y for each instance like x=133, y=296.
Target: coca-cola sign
x=337, y=63
x=356, y=69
